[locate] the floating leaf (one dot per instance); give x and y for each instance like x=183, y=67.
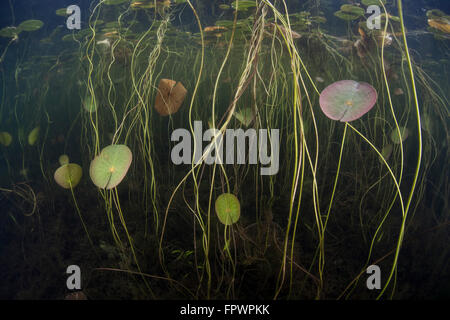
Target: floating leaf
x=347, y=100
x=228, y=208
x=114, y=2
x=10, y=32
x=348, y=8
x=68, y=175
x=346, y=15
x=89, y=104
x=109, y=168
x=31, y=25
x=33, y=136
x=372, y=2
x=170, y=96
x=61, y=12
x=5, y=139
x=404, y=133
x=63, y=159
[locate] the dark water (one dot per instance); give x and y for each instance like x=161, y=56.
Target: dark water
x=142, y=223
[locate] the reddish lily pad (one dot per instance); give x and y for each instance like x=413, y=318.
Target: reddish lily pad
x=347, y=100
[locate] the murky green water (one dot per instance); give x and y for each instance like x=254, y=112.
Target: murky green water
x=225, y=150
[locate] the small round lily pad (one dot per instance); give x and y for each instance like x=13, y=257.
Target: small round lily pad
x=68, y=175
x=404, y=133
x=33, y=136
x=63, y=159
x=347, y=100
x=89, y=104
x=109, y=168
x=5, y=139
x=228, y=208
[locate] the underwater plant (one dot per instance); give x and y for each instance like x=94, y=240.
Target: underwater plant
x=228, y=208
x=109, y=168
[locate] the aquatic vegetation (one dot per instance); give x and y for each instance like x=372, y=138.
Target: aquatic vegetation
x=399, y=135
x=30, y=25
x=5, y=138
x=63, y=159
x=109, y=168
x=228, y=208
x=350, y=190
x=170, y=96
x=347, y=100
x=33, y=136
x=68, y=175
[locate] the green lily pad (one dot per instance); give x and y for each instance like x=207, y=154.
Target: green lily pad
x=348, y=8
x=244, y=4
x=69, y=175
x=10, y=32
x=346, y=15
x=63, y=159
x=89, y=104
x=33, y=136
x=245, y=116
x=114, y=2
x=228, y=208
x=109, y=168
x=61, y=12
x=404, y=133
x=386, y=151
x=31, y=25
x=372, y=2
x=5, y=139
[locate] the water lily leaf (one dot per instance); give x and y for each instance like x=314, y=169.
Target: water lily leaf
x=31, y=25
x=347, y=100
x=5, y=139
x=228, y=208
x=33, y=136
x=109, y=168
x=68, y=175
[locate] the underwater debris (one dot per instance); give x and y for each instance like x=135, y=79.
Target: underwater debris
x=295, y=35
x=105, y=42
x=347, y=100
x=170, y=96
x=440, y=24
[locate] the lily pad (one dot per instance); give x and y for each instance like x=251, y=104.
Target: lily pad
x=63, y=159
x=109, y=168
x=69, y=175
x=372, y=2
x=10, y=32
x=169, y=97
x=89, y=104
x=31, y=25
x=5, y=139
x=61, y=12
x=228, y=208
x=404, y=133
x=33, y=136
x=114, y=2
x=347, y=100
x=346, y=15
x=348, y=8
